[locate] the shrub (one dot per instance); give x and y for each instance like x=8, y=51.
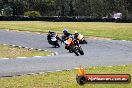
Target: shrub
x=32, y=13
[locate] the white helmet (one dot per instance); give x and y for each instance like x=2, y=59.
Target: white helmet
x=65, y=30
x=76, y=32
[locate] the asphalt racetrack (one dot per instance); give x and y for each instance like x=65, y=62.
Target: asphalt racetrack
x=98, y=52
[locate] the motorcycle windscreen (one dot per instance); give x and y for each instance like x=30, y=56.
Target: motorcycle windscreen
x=53, y=39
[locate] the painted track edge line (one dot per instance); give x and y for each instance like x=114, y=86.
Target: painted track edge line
x=12, y=45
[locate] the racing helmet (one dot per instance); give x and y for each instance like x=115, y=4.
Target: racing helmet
x=50, y=32
x=65, y=30
x=76, y=33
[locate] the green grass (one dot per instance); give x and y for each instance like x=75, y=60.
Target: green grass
x=10, y=52
x=120, y=31
x=65, y=79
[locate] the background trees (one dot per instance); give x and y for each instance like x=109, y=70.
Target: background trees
x=90, y=8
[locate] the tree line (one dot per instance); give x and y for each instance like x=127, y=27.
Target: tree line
x=90, y=8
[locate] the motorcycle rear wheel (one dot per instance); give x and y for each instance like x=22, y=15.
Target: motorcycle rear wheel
x=81, y=51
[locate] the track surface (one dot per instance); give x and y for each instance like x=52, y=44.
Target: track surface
x=97, y=53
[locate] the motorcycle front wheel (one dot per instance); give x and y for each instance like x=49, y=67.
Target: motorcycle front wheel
x=74, y=50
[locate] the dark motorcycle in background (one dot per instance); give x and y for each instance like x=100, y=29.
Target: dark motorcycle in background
x=53, y=39
x=80, y=38
x=83, y=41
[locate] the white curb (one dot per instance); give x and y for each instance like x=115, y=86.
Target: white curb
x=4, y=44
x=56, y=53
x=45, y=50
x=13, y=45
x=49, y=72
x=76, y=68
x=48, y=55
x=21, y=57
x=26, y=47
x=52, y=53
x=5, y=58
x=38, y=56
x=20, y=46
x=110, y=66
x=68, y=70
x=31, y=74
x=39, y=49
x=58, y=70
x=123, y=40
x=31, y=48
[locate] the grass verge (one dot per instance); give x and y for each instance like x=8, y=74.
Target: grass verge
x=65, y=79
x=120, y=31
x=11, y=52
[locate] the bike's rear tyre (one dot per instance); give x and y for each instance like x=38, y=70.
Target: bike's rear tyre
x=70, y=51
x=57, y=44
x=76, y=53
x=81, y=51
x=85, y=42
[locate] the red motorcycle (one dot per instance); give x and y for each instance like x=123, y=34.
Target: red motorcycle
x=73, y=46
